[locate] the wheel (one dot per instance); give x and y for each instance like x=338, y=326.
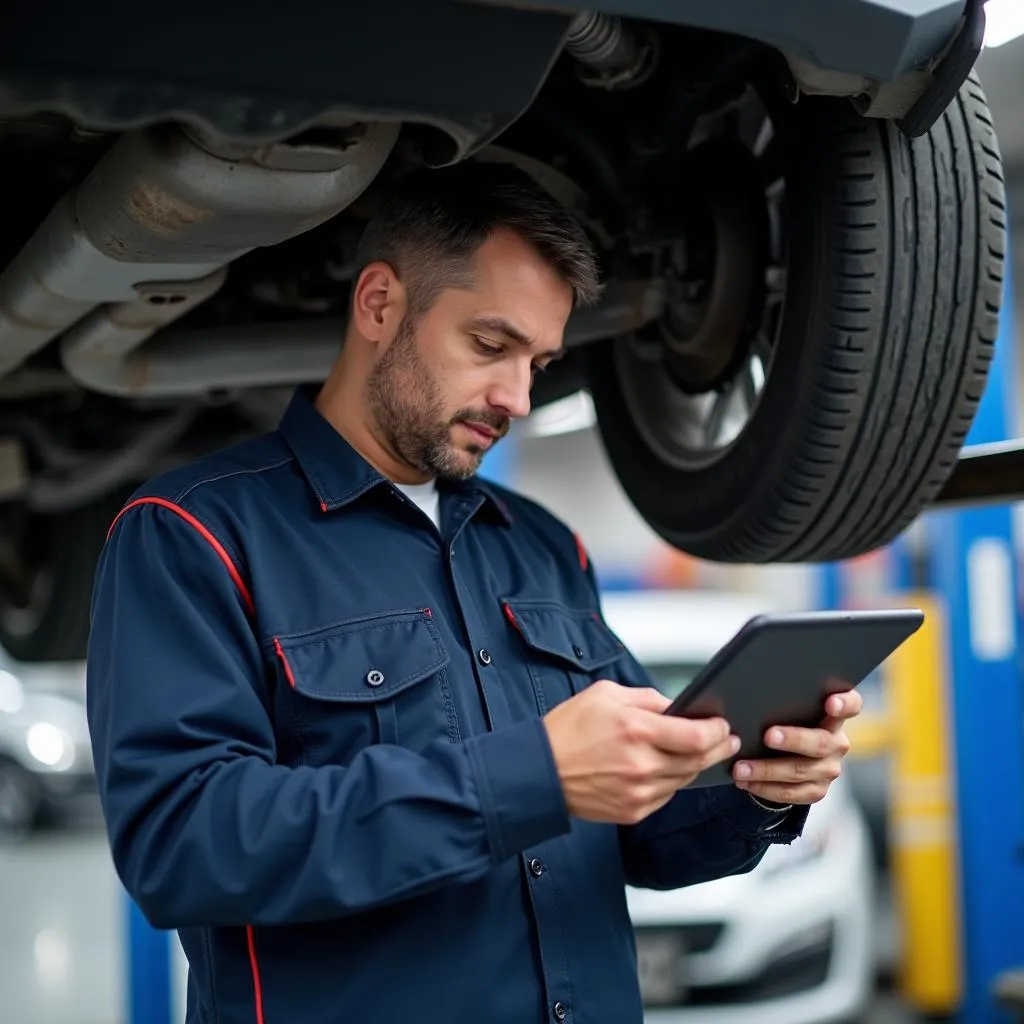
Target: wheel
x=47, y=565
x=20, y=798
x=831, y=323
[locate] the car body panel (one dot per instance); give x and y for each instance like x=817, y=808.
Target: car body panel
x=112, y=71
x=777, y=908
x=466, y=69
x=882, y=39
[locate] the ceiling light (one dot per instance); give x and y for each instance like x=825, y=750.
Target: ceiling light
x=566, y=416
x=1004, y=22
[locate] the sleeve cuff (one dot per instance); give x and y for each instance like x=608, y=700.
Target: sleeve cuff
x=778, y=809
x=520, y=792
x=754, y=820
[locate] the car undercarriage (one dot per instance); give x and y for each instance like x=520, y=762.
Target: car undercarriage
x=799, y=216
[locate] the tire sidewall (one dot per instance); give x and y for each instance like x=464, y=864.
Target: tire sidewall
x=700, y=506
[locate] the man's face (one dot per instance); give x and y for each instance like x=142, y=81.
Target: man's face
x=448, y=386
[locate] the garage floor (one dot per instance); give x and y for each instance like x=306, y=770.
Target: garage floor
x=60, y=932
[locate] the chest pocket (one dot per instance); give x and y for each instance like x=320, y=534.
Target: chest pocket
x=566, y=649
x=375, y=679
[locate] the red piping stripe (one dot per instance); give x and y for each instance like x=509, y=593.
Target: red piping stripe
x=254, y=963
x=236, y=576
x=232, y=569
x=284, y=661
x=582, y=552
x=511, y=616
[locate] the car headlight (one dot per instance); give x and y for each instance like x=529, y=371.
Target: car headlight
x=808, y=847
x=50, y=746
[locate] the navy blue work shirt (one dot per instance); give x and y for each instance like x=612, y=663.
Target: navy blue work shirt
x=319, y=744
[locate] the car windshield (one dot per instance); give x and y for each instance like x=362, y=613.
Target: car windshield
x=673, y=678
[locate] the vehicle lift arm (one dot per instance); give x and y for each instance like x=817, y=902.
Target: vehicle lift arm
x=986, y=474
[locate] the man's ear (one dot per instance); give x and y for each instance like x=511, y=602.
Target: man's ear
x=378, y=303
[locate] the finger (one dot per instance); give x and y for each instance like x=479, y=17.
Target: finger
x=670, y=772
x=842, y=706
x=729, y=747
x=806, y=742
x=788, y=770
x=644, y=697
x=782, y=793
x=688, y=735
x=684, y=768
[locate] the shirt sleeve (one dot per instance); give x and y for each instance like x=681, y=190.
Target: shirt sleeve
x=205, y=827
x=703, y=834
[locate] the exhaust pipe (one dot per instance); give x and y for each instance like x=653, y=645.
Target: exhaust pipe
x=103, y=352
x=166, y=207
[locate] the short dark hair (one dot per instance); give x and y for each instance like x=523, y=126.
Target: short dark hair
x=430, y=225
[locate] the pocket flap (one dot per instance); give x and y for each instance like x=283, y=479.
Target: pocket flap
x=363, y=660
x=575, y=636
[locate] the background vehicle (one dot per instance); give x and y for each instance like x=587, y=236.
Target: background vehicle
x=799, y=210
x=45, y=758
x=869, y=775
x=792, y=942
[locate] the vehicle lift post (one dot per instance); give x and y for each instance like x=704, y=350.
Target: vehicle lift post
x=149, y=970
x=974, y=566
x=971, y=571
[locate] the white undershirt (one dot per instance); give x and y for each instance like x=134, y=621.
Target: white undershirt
x=426, y=497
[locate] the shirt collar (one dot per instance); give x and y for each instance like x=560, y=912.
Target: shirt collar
x=338, y=474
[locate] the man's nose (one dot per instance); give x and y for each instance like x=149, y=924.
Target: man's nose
x=512, y=394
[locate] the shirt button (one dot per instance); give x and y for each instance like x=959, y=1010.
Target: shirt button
x=374, y=677
x=560, y=1010
x=485, y=656
x=577, y=650
x=536, y=867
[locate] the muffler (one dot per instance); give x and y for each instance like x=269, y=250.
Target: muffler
x=167, y=207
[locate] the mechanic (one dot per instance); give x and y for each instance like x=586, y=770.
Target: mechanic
x=361, y=734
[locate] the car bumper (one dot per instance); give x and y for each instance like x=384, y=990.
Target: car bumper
x=67, y=788
x=796, y=950
x=882, y=39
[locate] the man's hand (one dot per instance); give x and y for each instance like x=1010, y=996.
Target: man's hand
x=620, y=759
x=803, y=779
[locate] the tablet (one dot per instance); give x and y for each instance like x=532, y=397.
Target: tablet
x=780, y=668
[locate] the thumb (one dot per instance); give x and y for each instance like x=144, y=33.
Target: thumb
x=645, y=698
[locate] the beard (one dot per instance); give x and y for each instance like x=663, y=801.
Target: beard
x=406, y=399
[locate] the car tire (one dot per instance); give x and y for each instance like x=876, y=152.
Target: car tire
x=889, y=316
x=44, y=616
x=20, y=799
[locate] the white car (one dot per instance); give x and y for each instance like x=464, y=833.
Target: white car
x=45, y=757
x=790, y=942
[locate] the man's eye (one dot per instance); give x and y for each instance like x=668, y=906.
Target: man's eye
x=486, y=348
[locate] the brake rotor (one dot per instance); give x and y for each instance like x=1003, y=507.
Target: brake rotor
x=710, y=322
